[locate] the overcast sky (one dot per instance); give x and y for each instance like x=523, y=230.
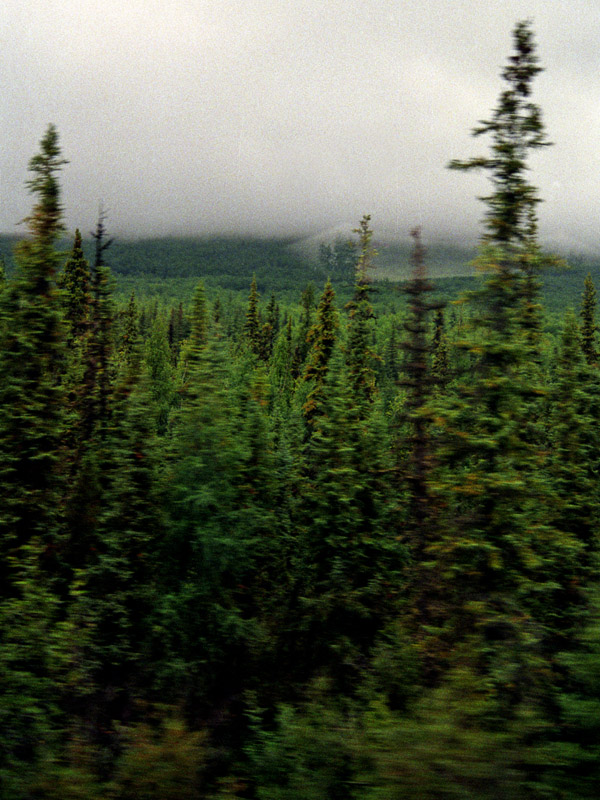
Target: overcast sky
x=286, y=116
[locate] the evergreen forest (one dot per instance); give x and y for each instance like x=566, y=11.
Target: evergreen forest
x=277, y=529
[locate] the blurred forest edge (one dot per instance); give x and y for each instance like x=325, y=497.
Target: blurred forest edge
x=170, y=267
x=333, y=545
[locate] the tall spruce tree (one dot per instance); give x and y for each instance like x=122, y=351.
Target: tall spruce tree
x=499, y=556
x=281, y=371
x=193, y=347
x=31, y=449
x=31, y=393
x=91, y=408
x=99, y=369
x=516, y=128
x=415, y=457
x=418, y=382
x=160, y=373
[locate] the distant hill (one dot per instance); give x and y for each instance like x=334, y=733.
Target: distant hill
x=393, y=260
x=229, y=262
x=287, y=265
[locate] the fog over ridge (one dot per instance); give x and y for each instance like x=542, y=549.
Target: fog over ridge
x=266, y=118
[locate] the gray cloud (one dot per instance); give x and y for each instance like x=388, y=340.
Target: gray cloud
x=272, y=116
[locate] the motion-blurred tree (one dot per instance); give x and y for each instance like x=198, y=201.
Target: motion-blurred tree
x=75, y=281
x=31, y=392
x=321, y=338
x=31, y=445
x=360, y=356
x=589, y=328
x=516, y=127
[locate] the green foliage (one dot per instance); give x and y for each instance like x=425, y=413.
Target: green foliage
x=281, y=370
x=129, y=343
x=359, y=353
x=112, y=594
x=160, y=374
x=321, y=337
x=573, y=752
x=453, y=744
x=205, y=554
x=228, y=261
x=573, y=464
x=588, y=320
x=163, y=761
x=303, y=342
x=516, y=128
x=338, y=260
x=440, y=351
x=349, y=562
x=31, y=394
x=45, y=221
x=246, y=552
x=29, y=649
x=75, y=281
x=253, y=326
x=311, y=755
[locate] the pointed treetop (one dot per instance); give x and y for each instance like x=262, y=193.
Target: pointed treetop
x=516, y=127
x=367, y=253
x=45, y=221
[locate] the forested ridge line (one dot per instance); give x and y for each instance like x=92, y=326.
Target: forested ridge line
x=168, y=267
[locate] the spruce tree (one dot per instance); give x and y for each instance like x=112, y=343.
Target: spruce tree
x=32, y=425
x=414, y=450
x=99, y=367
x=92, y=396
x=497, y=552
x=588, y=321
x=160, y=374
x=440, y=350
x=516, y=128
x=348, y=555
x=176, y=331
x=252, y=326
x=321, y=338
x=193, y=347
x=574, y=461
x=360, y=356
x=130, y=334
x=75, y=282
x=302, y=346
x=203, y=556
x=281, y=368
x=270, y=329
x=418, y=382
x=31, y=393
